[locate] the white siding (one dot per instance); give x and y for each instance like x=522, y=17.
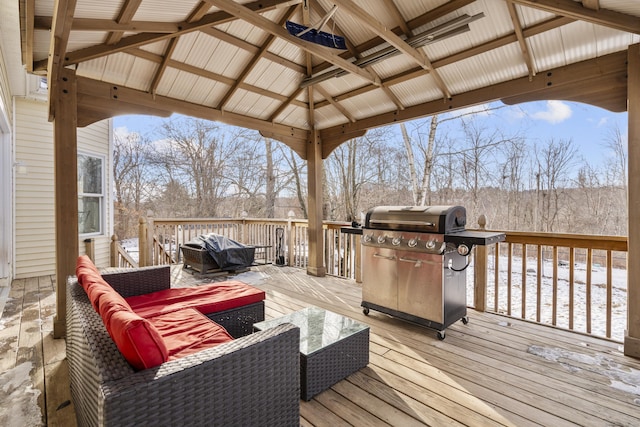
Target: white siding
x=34, y=198
x=94, y=140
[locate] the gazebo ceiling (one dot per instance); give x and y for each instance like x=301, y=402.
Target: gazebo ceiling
x=234, y=61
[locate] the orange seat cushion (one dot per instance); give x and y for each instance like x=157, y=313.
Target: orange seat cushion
x=188, y=331
x=137, y=339
x=207, y=299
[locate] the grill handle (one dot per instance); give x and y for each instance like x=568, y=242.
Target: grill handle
x=417, y=262
x=390, y=258
x=396, y=222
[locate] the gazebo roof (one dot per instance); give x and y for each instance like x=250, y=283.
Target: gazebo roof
x=235, y=62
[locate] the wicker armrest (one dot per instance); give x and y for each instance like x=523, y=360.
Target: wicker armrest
x=256, y=377
x=138, y=281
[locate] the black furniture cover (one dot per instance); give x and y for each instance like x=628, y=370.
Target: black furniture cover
x=227, y=253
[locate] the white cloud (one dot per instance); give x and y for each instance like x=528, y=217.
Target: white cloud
x=603, y=121
x=556, y=112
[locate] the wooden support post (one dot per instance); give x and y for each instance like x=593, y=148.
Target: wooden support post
x=65, y=155
x=315, y=266
x=632, y=334
x=358, y=260
x=480, y=272
x=143, y=247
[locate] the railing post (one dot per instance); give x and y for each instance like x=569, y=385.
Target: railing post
x=113, y=251
x=292, y=239
x=480, y=272
x=143, y=243
x=358, y=260
x=90, y=249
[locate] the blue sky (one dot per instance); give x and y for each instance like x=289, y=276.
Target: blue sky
x=587, y=126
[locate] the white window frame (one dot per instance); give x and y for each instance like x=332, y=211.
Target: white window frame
x=101, y=196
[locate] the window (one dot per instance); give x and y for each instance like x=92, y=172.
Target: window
x=90, y=194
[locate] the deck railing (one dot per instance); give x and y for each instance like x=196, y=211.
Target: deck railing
x=576, y=282
x=571, y=281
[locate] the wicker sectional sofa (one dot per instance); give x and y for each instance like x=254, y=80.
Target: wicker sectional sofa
x=249, y=379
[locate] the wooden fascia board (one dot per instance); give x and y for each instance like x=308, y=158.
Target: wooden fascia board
x=614, y=63
x=572, y=9
x=114, y=95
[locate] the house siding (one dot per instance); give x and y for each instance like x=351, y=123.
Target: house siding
x=34, y=190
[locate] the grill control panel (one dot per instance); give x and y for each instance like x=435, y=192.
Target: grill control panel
x=411, y=241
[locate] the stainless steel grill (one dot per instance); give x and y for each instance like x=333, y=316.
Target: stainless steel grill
x=414, y=262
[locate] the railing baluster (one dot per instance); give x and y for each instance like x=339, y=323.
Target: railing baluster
x=539, y=283
x=572, y=261
x=524, y=282
x=555, y=287
x=609, y=291
x=588, y=289
x=509, y=277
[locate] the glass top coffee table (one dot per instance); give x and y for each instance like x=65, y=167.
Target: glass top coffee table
x=332, y=347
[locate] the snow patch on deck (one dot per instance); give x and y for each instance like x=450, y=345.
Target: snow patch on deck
x=19, y=398
x=621, y=377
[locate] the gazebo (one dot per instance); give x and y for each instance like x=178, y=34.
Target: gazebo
x=358, y=65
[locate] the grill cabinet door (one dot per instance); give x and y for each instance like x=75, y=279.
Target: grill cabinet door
x=379, y=277
x=420, y=285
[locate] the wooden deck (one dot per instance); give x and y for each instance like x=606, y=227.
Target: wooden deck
x=493, y=371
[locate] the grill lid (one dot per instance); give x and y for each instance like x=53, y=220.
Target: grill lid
x=427, y=219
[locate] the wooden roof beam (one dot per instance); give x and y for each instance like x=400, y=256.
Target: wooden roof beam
x=271, y=27
x=253, y=62
x=572, y=9
x=522, y=42
x=418, y=56
x=138, y=40
x=125, y=16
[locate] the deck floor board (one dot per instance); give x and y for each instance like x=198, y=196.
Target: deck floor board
x=493, y=371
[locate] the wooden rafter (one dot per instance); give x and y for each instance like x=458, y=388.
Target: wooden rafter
x=199, y=12
x=138, y=40
x=460, y=56
x=163, y=65
x=172, y=63
x=262, y=51
x=336, y=104
x=575, y=10
x=125, y=16
x=419, y=21
x=271, y=27
x=591, y=4
x=418, y=56
x=521, y=39
x=27, y=42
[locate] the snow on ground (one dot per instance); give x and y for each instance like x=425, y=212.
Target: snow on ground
x=598, y=304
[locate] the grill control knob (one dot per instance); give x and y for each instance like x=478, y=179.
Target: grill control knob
x=412, y=243
x=381, y=239
x=367, y=237
x=463, y=250
x=431, y=244
x=396, y=241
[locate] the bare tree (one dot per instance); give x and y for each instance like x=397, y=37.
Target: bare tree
x=131, y=180
x=197, y=155
x=554, y=165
